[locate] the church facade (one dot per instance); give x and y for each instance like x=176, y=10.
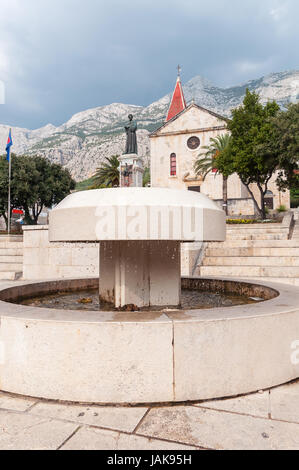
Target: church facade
x=175, y=147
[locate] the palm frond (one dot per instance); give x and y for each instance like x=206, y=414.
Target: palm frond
x=107, y=175
x=205, y=162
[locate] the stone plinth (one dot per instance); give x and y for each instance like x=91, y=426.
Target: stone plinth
x=133, y=165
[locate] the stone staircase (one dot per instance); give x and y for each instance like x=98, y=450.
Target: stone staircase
x=11, y=257
x=263, y=252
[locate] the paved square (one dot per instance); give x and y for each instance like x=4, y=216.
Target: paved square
x=265, y=420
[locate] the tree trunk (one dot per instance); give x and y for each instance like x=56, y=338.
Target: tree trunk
x=263, y=206
x=28, y=219
x=224, y=191
x=259, y=210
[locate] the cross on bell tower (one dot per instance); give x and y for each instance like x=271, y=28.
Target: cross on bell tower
x=178, y=103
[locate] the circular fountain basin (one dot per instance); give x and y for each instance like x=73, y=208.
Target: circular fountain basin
x=148, y=357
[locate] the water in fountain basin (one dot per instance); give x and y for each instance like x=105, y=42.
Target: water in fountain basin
x=89, y=300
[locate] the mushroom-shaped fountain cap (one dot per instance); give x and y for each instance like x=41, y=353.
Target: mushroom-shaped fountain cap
x=136, y=214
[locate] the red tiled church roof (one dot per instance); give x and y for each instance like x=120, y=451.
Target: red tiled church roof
x=178, y=103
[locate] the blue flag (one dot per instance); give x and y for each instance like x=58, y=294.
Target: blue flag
x=9, y=144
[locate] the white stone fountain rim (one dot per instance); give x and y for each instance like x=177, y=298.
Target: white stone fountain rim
x=287, y=301
x=138, y=358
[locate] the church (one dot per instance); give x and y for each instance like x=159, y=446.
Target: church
x=175, y=147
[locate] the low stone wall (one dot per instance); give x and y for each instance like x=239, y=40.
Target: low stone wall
x=45, y=260
x=238, y=207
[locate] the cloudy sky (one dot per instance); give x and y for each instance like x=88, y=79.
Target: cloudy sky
x=58, y=57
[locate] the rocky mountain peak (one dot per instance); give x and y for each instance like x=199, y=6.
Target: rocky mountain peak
x=89, y=136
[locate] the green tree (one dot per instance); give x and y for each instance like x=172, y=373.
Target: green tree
x=284, y=144
x=36, y=183
x=4, y=189
x=107, y=175
x=249, y=154
x=207, y=161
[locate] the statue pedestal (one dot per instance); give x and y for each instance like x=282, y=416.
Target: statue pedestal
x=131, y=170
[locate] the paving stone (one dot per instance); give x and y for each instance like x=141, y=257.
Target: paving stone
x=118, y=418
x=9, y=402
x=100, y=439
x=219, y=429
x=22, y=431
x=257, y=404
x=284, y=402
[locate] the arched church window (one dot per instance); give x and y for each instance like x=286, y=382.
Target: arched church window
x=173, y=164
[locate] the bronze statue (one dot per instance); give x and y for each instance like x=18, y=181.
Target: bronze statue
x=131, y=128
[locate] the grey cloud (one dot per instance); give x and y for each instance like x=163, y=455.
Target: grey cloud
x=68, y=55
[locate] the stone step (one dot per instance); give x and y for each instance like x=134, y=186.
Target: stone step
x=9, y=245
x=256, y=236
x=250, y=271
x=252, y=251
x=11, y=251
x=11, y=259
x=11, y=266
x=281, y=280
x=255, y=243
x=10, y=275
x=258, y=261
x=250, y=229
x=11, y=239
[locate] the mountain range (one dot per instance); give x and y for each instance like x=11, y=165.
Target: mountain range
x=89, y=136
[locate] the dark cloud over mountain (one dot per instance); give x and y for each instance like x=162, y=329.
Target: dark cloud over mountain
x=60, y=57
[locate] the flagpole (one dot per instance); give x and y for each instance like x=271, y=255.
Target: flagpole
x=9, y=190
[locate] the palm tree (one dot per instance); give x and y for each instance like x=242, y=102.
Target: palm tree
x=107, y=175
x=205, y=162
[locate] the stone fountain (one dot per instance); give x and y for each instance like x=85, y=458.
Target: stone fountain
x=140, y=230
x=170, y=355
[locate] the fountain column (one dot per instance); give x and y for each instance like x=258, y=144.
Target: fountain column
x=141, y=273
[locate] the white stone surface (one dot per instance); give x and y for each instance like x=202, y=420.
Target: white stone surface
x=141, y=273
x=137, y=214
x=213, y=430
x=285, y=402
x=117, y=418
x=107, y=362
x=12, y=403
x=115, y=357
x=256, y=404
x=26, y=432
x=234, y=356
x=45, y=260
x=100, y=439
